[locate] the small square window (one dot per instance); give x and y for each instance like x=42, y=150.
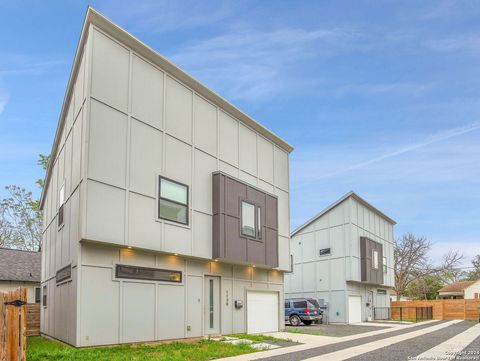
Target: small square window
x=173, y=201
x=248, y=219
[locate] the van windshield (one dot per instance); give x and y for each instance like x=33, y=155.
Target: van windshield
x=314, y=302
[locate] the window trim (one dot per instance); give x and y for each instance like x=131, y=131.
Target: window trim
x=254, y=218
x=159, y=198
x=118, y=277
x=385, y=268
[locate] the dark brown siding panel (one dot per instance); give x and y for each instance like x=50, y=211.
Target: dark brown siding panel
x=272, y=248
x=256, y=252
x=228, y=242
x=368, y=273
x=272, y=216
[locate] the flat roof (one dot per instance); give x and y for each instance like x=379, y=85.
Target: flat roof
x=93, y=17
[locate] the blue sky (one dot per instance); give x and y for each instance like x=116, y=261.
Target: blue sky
x=377, y=97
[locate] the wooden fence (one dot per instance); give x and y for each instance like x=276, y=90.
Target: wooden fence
x=13, y=325
x=33, y=319
x=442, y=309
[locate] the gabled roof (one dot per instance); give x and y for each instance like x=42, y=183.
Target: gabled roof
x=96, y=19
x=459, y=286
x=350, y=194
x=18, y=265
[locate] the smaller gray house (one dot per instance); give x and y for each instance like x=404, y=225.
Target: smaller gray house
x=20, y=269
x=344, y=257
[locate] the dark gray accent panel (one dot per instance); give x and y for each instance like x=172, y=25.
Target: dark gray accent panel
x=370, y=274
x=228, y=242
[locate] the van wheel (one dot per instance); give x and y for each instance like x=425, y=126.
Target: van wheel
x=307, y=322
x=295, y=320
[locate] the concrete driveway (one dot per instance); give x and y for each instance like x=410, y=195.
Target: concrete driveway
x=431, y=340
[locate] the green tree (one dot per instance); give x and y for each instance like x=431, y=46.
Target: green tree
x=425, y=288
x=20, y=216
x=474, y=274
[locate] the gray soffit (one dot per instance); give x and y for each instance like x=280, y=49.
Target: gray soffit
x=17, y=265
x=342, y=199
x=99, y=21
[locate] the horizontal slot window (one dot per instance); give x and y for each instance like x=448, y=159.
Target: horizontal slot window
x=145, y=273
x=325, y=251
x=63, y=274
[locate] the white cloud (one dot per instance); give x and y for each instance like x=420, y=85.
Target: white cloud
x=435, y=138
x=247, y=63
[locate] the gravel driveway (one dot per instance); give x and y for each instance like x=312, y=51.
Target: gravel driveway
x=415, y=346
x=334, y=330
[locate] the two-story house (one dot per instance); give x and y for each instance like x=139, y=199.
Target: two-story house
x=166, y=208
x=344, y=257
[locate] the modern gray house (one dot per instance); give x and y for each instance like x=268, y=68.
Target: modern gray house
x=166, y=208
x=344, y=257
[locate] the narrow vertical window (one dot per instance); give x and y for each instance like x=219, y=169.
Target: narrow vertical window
x=61, y=201
x=248, y=219
x=374, y=259
x=259, y=223
x=44, y=294
x=37, y=294
x=173, y=201
x=211, y=303
x=384, y=264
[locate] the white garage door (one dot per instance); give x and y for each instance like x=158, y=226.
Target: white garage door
x=354, y=309
x=262, y=312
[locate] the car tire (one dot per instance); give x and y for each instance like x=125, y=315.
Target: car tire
x=295, y=320
x=307, y=322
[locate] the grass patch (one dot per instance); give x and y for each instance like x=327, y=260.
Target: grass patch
x=256, y=338
x=308, y=332
x=41, y=349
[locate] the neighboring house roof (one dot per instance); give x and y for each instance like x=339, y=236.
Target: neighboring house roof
x=350, y=194
x=456, y=287
x=17, y=265
x=101, y=22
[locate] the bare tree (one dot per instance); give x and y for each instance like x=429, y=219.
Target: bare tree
x=413, y=263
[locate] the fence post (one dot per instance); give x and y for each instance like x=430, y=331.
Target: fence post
x=401, y=313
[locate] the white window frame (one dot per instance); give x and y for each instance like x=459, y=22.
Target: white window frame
x=159, y=198
x=61, y=206
x=385, y=265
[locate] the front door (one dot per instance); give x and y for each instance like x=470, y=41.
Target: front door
x=370, y=306
x=212, y=305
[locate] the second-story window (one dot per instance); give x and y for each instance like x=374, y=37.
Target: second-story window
x=61, y=201
x=384, y=264
x=248, y=219
x=374, y=259
x=173, y=201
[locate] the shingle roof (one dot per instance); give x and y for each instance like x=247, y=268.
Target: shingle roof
x=456, y=286
x=17, y=265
